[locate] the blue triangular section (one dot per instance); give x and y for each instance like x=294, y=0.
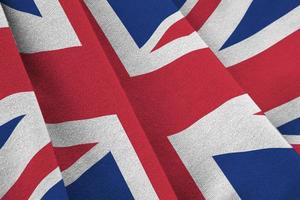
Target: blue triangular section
x=58, y=191
x=27, y=6
x=141, y=18
x=263, y=174
x=179, y=3
x=260, y=14
x=290, y=128
x=7, y=129
x=102, y=181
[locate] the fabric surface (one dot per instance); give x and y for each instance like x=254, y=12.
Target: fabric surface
x=173, y=99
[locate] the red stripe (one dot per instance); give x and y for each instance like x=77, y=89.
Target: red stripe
x=66, y=156
x=297, y=148
x=172, y=98
x=79, y=83
x=273, y=76
x=201, y=12
x=193, y=21
x=178, y=29
x=12, y=73
x=37, y=169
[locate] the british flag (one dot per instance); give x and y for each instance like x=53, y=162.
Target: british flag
x=111, y=99
x=259, y=45
x=193, y=112
x=99, y=145
x=28, y=165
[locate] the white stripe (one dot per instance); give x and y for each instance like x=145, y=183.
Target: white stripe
x=292, y=139
x=27, y=139
x=3, y=21
x=160, y=31
x=78, y=132
x=169, y=52
x=284, y=113
x=262, y=40
x=46, y=184
x=108, y=132
x=35, y=34
x=141, y=61
x=222, y=22
x=167, y=23
x=232, y=127
x=188, y=6
x=85, y=162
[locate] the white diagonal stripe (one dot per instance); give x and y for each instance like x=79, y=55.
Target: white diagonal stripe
x=3, y=21
x=188, y=6
x=27, y=139
x=46, y=184
x=262, y=40
x=33, y=34
x=232, y=127
x=284, y=113
x=108, y=132
x=222, y=22
x=292, y=139
x=138, y=61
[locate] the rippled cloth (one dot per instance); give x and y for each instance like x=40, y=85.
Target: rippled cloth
x=173, y=99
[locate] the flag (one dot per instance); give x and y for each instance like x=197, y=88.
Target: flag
x=200, y=122
x=258, y=43
x=28, y=165
x=101, y=149
x=136, y=100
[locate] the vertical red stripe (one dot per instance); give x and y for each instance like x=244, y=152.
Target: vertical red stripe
x=13, y=77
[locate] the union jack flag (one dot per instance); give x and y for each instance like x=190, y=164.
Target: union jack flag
x=259, y=45
x=173, y=99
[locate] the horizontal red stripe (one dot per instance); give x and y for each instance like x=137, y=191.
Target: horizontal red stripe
x=37, y=169
x=273, y=76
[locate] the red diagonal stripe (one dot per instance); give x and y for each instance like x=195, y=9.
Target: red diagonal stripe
x=196, y=18
x=37, y=169
x=66, y=156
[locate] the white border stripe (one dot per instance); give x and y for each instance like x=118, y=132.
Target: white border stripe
x=3, y=21
x=292, y=139
x=188, y=6
x=223, y=22
x=262, y=40
x=138, y=61
x=29, y=137
x=108, y=132
x=160, y=31
x=232, y=127
x=33, y=34
x=85, y=162
x=46, y=184
x=167, y=23
x=284, y=113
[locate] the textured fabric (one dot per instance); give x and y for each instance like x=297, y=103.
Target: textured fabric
x=260, y=48
x=173, y=99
